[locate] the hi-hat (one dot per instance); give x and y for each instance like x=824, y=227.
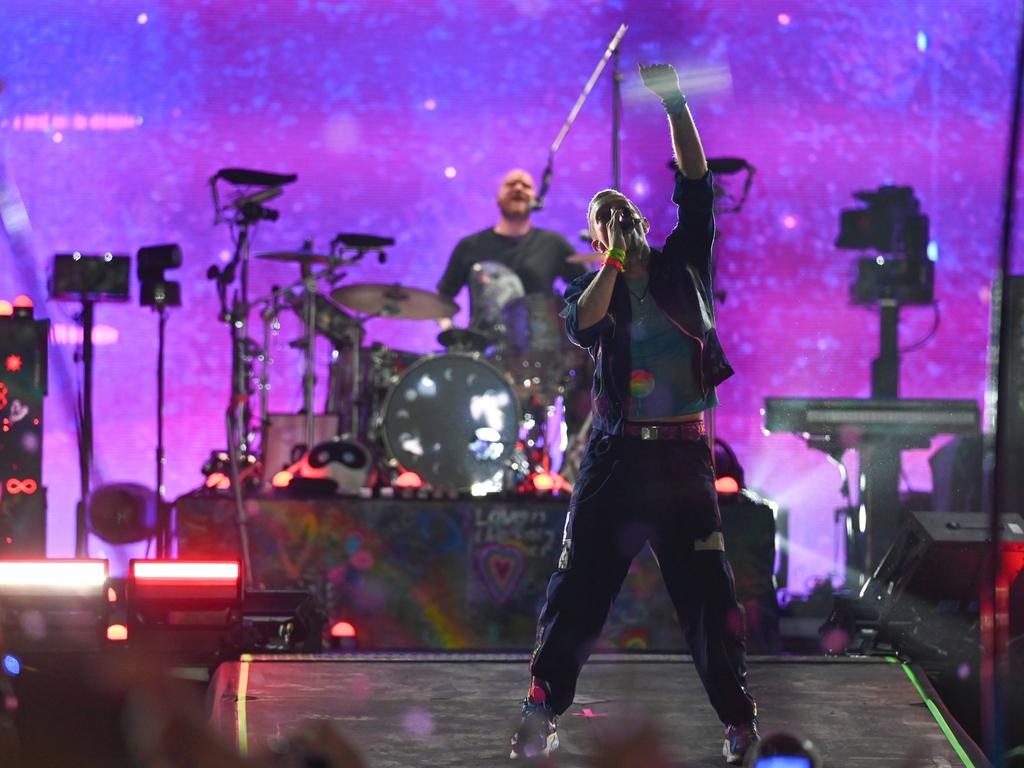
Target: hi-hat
x=383, y=300
x=299, y=257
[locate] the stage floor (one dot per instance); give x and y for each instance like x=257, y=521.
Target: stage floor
x=460, y=709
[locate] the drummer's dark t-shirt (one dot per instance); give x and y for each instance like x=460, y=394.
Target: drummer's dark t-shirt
x=538, y=258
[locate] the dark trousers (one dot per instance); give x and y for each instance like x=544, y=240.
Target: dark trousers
x=630, y=492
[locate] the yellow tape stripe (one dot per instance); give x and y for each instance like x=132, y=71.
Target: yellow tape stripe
x=240, y=713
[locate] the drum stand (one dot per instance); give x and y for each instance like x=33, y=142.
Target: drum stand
x=272, y=306
x=238, y=414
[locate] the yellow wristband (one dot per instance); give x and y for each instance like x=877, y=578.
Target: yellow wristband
x=617, y=254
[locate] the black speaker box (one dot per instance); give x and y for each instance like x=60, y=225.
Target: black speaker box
x=924, y=595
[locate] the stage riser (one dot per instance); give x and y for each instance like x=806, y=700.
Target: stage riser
x=443, y=575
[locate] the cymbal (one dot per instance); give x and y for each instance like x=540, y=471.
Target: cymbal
x=383, y=300
x=299, y=257
x=585, y=258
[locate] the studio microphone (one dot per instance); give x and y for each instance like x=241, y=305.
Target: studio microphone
x=257, y=197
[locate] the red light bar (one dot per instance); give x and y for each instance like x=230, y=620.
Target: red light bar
x=187, y=580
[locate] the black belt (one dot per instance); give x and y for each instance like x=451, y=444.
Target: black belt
x=683, y=430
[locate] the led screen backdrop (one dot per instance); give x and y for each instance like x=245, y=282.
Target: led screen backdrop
x=400, y=118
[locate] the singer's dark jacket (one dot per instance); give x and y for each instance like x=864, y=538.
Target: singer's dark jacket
x=680, y=284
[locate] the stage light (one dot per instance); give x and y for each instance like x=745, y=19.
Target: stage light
x=542, y=481
x=58, y=578
x=727, y=468
x=343, y=629
x=117, y=633
x=185, y=582
x=217, y=471
x=219, y=481
x=282, y=479
x=21, y=301
x=6, y=308
x=111, y=595
x=155, y=290
x=727, y=485
x=342, y=636
x=408, y=480
x=14, y=363
x=53, y=606
x=12, y=666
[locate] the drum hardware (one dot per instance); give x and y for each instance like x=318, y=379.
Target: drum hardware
x=300, y=257
x=309, y=300
x=394, y=301
x=364, y=243
x=243, y=211
x=464, y=340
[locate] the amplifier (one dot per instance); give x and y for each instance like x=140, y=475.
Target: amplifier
x=23, y=346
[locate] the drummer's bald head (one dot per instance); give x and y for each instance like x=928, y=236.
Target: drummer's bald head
x=516, y=194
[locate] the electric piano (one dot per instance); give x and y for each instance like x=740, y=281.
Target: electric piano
x=851, y=422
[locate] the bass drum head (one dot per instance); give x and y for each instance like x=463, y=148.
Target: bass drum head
x=454, y=421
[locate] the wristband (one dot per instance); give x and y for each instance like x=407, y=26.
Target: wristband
x=675, y=104
x=609, y=261
x=616, y=257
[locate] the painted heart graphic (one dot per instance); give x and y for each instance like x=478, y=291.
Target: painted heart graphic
x=501, y=568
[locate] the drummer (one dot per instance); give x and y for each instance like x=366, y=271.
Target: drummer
x=537, y=256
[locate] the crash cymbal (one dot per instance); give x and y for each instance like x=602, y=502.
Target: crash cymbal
x=464, y=338
x=585, y=258
x=299, y=257
x=383, y=300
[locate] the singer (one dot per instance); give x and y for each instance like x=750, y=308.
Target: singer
x=536, y=256
x=647, y=318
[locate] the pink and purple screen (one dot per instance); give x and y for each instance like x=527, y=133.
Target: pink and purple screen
x=401, y=117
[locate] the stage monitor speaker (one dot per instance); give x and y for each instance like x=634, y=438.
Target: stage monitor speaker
x=924, y=594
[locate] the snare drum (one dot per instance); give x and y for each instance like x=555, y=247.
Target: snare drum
x=453, y=419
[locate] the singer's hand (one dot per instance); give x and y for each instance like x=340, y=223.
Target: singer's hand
x=616, y=236
x=660, y=79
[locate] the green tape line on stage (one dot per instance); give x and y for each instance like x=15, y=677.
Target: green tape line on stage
x=943, y=725
x=240, y=713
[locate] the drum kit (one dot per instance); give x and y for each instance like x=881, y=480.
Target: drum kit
x=486, y=414
x=482, y=416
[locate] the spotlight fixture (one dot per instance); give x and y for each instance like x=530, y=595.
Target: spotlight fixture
x=154, y=288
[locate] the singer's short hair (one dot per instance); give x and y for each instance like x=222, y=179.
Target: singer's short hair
x=595, y=203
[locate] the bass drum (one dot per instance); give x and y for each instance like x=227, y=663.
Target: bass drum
x=453, y=419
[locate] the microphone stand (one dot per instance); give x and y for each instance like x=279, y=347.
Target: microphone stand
x=163, y=518
x=612, y=49
x=238, y=413
x=616, y=118
x=85, y=420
